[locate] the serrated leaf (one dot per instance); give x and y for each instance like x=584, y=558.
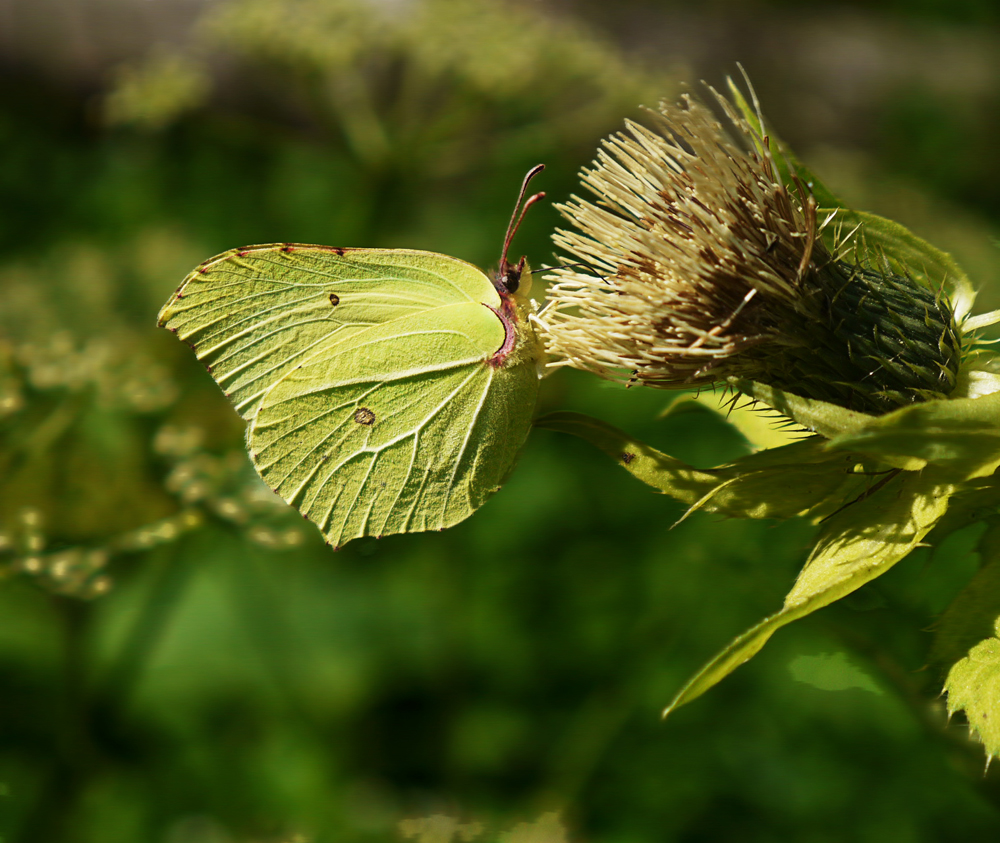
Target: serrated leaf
x=799, y=479
x=977, y=376
x=962, y=435
x=970, y=618
x=973, y=686
x=858, y=544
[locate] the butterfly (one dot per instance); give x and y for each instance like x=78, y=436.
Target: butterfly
x=385, y=390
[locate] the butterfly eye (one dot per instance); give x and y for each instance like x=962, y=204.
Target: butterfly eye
x=511, y=279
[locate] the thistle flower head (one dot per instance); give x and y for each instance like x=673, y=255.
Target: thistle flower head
x=698, y=263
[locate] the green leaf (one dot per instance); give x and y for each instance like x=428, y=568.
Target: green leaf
x=388, y=391
x=976, y=501
x=973, y=686
x=971, y=617
x=761, y=430
x=905, y=252
x=826, y=419
x=654, y=468
x=966, y=644
x=961, y=434
x=799, y=479
x=856, y=545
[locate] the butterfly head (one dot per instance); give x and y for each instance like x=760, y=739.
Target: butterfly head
x=513, y=278
x=516, y=278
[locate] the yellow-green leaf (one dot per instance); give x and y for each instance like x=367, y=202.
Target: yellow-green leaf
x=762, y=430
x=654, y=468
x=858, y=544
x=969, y=619
x=799, y=479
x=962, y=435
x=826, y=419
x=973, y=686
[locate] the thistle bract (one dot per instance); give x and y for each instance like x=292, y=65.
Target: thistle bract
x=699, y=263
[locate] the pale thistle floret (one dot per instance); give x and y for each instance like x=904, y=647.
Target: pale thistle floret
x=698, y=264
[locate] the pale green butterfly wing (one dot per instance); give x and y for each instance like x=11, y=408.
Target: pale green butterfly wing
x=388, y=390
x=402, y=427
x=251, y=315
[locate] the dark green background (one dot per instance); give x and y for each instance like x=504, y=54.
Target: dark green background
x=516, y=664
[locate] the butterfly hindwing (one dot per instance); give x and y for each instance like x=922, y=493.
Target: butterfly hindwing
x=401, y=427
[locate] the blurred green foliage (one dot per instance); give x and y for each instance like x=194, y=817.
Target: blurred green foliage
x=181, y=658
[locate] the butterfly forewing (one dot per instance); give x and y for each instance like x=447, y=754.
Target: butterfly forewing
x=252, y=315
x=398, y=427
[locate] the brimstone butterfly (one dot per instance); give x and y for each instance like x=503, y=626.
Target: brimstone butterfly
x=385, y=390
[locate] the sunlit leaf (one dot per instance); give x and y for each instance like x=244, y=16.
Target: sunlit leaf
x=858, y=544
x=972, y=615
x=962, y=435
x=821, y=417
x=798, y=479
x=973, y=686
x=761, y=429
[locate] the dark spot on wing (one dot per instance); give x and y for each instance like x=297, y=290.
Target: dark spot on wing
x=334, y=299
x=338, y=251
x=627, y=457
x=364, y=416
x=242, y=254
x=287, y=248
x=202, y=270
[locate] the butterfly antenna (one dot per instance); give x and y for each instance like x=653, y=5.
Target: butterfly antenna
x=509, y=276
